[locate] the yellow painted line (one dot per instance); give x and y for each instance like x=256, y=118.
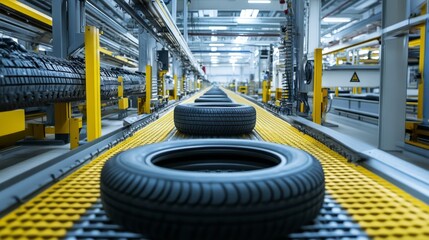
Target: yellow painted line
x=383, y=210
x=50, y=214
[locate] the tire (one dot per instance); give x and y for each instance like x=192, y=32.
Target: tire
x=215, y=93
x=29, y=79
x=212, y=189
x=218, y=119
x=212, y=100
x=214, y=96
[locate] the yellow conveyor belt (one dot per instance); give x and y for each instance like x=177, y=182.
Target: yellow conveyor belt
x=382, y=209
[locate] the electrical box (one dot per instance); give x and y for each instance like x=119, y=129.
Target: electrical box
x=163, y=58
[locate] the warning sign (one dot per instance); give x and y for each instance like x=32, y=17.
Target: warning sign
x=355, y=78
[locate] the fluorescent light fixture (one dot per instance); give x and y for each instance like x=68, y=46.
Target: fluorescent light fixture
x=214, y=28
x=232, y=60
x=214, y=38
x=336, y=20
x=259, y=1
x=249, y=13
x=214, y=54
x=213, y=49
x=241, y=39
x=216, y=44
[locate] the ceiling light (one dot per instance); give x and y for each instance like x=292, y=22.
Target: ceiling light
x=241, y=39
x=249, y=13
x=232, y=60
x=214, y=49
x=214, y=39
x=214, y=54
x=216, y=44
x=213, y=28
x=259, y=1
x=336, y=20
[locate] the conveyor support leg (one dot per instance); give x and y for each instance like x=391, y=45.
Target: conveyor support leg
x=62, y=118
x=148, y=98
x=75, y=126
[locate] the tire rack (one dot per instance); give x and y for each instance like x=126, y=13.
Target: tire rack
x=359, y=204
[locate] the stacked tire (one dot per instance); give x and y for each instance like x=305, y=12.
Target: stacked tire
x=28, y=79
x=214, y=95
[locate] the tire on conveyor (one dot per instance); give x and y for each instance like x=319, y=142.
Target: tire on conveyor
x=212, y=100
x=212, y=189
x=219, y=119
x=215, y=93
x=213, y=96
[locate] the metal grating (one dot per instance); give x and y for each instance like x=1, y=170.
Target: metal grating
x=383, y=210
x=333, y=222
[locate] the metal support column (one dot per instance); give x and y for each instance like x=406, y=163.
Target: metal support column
x=174, y=10
x=92, y=66
x=393, y=84
x=313, y=37
x=425, y=87
x=185, y=20
x=68, y=22
x=421, y=67
x=317, y=92
x=143, y=52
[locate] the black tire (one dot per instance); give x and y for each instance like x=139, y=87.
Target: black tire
x=212, y=189
x=212, y=100
x=214, y=96
x=218, y=119
x=215, y=93
x=29, y=79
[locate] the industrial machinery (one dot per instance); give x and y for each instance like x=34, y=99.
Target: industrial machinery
x=147, y=62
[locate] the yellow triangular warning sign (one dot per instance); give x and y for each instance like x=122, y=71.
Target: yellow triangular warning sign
x=355, y=78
